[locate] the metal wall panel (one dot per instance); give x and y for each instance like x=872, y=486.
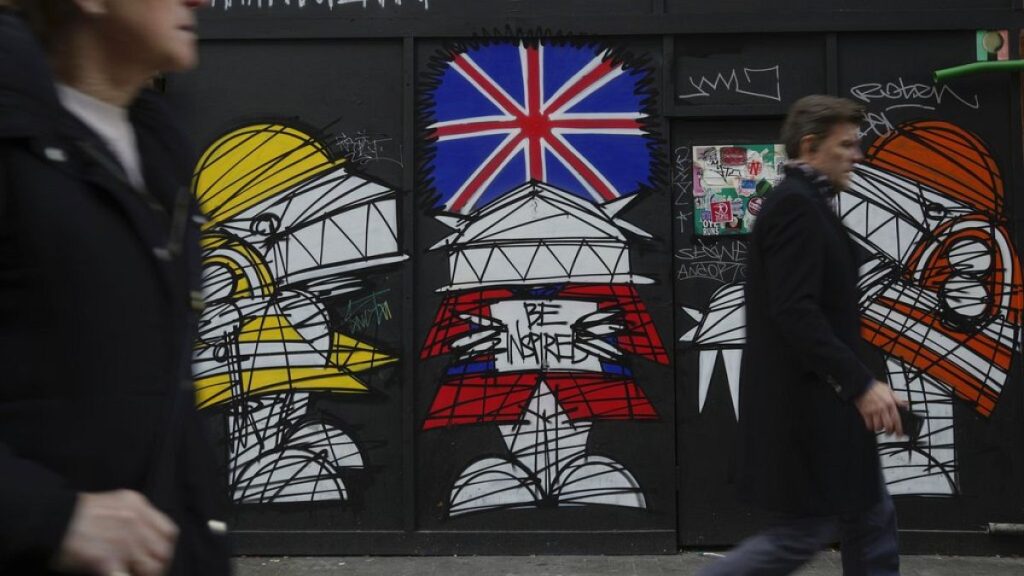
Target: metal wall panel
x=462, y=383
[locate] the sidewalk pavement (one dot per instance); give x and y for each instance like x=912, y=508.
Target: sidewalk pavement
x=668, y=565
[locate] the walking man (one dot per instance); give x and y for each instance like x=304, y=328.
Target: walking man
x=809, y=408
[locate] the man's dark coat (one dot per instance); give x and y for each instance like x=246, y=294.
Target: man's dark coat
x=96, y=322
x=805, y=448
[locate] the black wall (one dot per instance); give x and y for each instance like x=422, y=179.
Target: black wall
x=355, y=76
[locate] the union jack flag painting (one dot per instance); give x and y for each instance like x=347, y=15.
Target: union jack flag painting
x=507, y=113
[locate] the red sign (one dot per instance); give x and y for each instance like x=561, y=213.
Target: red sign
x=721, y=212
x=734, y=156
x=754, y=168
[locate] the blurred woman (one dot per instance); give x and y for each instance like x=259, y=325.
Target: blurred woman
x=104, y=468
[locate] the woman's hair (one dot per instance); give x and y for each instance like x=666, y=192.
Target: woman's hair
x=48, y=18
x=815, y=116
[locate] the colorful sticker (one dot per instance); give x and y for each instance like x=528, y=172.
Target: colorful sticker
x=729, y=184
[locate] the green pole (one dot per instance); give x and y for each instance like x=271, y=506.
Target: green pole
x=976, y=68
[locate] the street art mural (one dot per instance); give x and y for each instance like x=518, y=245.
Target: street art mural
x=719, y=332
x=534, y=147
x=289, y=228
x=941, y=290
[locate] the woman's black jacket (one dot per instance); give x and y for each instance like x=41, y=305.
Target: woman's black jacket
x=98, y=298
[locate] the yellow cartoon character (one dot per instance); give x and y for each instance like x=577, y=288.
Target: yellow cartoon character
x=289, y=226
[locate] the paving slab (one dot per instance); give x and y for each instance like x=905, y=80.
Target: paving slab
x=827, y=563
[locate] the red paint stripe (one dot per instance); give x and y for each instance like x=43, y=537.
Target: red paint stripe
x=485, y=173
x=473, y=128
x=588, y=80
x=977, y=343
x=597, y=123
x=537, y=124
x=913, y=353
x=487, y=86
x=503, y=397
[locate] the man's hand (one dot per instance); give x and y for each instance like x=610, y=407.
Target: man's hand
x=117, y=532
x=879, y=406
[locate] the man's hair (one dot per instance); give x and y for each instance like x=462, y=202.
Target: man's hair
x=48, y=18
x=816, y=115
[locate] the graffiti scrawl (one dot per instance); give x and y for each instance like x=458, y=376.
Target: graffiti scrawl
x=535, y=149
x=289, y=227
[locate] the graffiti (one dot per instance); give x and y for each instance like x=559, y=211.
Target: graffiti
x=756, y=82
x=366, y=312
x=682, y=218
x=682, y=185
x=535, y=473
x=682, y=175
x=875, y=124
x=725, y=252
x=289, y=226
x=720, y=332
x=901, y=95
x=720, y=262
x=539, y=348
x=362, y=149
x=942, y=294
x=534, y=151
x=720, y=272
x=300, y=4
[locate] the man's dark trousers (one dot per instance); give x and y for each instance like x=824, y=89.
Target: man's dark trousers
x=868, y=540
